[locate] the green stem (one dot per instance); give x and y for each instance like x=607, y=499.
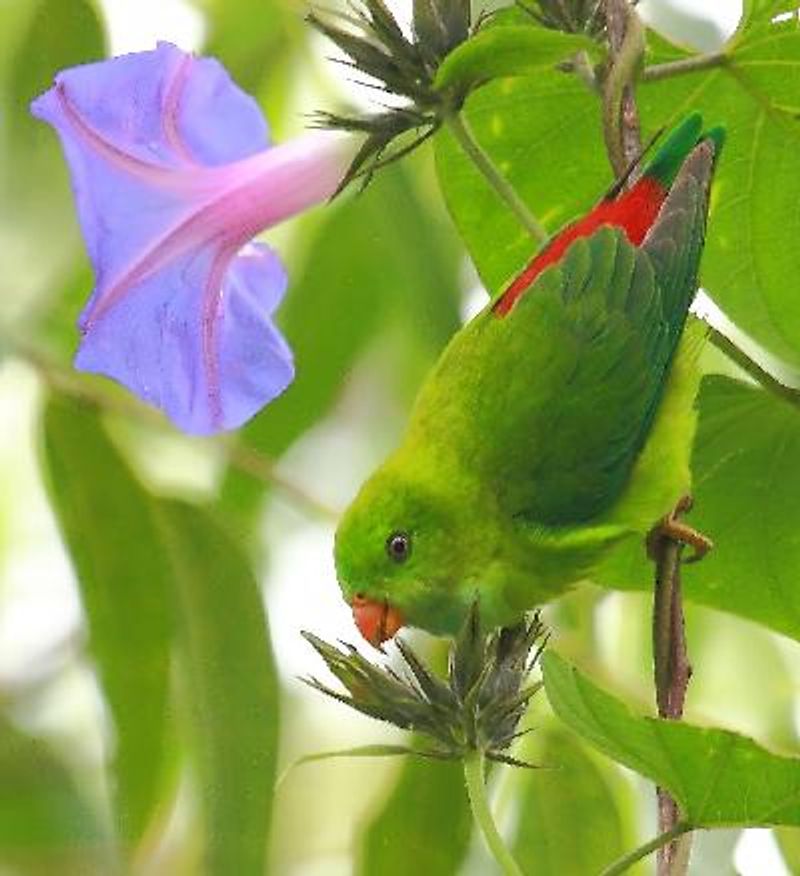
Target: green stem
x=476, y=790
x=624, y=863
x=461, y=131
x=685, y=65
x=767, y=380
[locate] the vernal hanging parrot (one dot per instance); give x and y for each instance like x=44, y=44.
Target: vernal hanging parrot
x=555, y=423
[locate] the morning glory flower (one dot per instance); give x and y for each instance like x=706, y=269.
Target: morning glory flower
x=173, y=175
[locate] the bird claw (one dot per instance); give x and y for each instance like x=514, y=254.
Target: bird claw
x=672, y=528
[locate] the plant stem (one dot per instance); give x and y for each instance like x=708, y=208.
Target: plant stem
x=460, y=129
x=643, y=851
x=685, y=65
x=620, y=116
x=783, y=388
x=476, y=790
x=671, y=672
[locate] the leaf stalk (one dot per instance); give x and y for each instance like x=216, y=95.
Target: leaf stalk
x=476, y=790
x=461, y=130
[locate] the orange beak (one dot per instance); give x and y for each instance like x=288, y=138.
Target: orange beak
x=376, y=621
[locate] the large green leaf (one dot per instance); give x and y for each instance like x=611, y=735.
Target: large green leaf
x=425, y=820
x=108, y=522
x=719, y=778
x=379, y=254
x=232, y=689
x=571, y=789
x=45, y=824
x=545, y=137
x=746, y=484
x=509, y=51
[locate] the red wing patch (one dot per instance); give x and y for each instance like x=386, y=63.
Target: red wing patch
x=633, y=211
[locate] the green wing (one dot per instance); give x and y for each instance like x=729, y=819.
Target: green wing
x=553, y=403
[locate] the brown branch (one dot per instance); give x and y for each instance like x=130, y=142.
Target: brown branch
x=672, y=671
x=620, y=115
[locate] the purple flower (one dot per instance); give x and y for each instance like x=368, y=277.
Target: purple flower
x=173, y=175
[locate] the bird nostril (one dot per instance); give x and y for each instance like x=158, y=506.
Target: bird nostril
x=359, y=597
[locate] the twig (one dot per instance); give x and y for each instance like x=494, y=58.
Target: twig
x=671, y=664
x=620, y=115
x=672, y=672
x=460, y=129
x=626, y=862
x=684, y=66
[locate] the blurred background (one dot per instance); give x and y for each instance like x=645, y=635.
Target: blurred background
x=378, y=283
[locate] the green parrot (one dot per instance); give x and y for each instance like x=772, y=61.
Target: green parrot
x=556, y=423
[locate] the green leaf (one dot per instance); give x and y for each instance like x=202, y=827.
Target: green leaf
x=788, y=839
x=751, y=258
x=425, y=820
x=572, y=789
x=107, y=519
x=745, y=485
x=45, y=824
x=509, y=51
x=719, y=778
x=545, y=136
x=379, y=254
x=232, y=689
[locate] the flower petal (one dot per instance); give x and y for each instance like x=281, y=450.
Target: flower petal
x=137, y=131
x=209, y=359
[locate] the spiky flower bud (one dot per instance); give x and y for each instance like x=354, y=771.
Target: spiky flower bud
x=478, y=707
x=405, y=67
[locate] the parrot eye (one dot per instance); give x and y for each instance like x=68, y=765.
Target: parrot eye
x=398, y=546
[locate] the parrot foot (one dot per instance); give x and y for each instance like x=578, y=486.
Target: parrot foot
x=673, y=528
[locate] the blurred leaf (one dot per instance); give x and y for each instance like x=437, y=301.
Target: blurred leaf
x=788, y=839
x=719, y=778
x=571, y=790
x=746, y=484
x=107, y=520
x=510, y=51
x=46, y=826
x=376, y=254
x=232, y=689
x=38, y=232
x=426, y=820
x=251, y=37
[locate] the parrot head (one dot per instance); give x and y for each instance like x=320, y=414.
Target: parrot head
x=389, y=549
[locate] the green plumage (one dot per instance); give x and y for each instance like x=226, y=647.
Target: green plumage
x=542, y=438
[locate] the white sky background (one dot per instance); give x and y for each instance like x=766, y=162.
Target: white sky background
x=40, y=608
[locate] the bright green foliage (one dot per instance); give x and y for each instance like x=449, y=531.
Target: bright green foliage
x=571, y=790
x=231, y=686
x=509, y=51
x=126, y=587
x=719, y=778
x=750, y=439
